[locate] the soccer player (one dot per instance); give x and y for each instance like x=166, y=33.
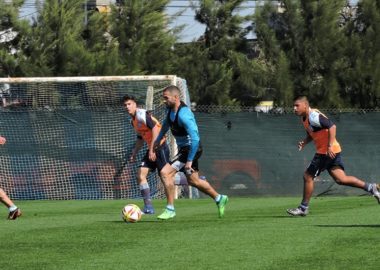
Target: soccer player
x=322, y=131
x=147, y=128
x=183, y=126
x=14, y=211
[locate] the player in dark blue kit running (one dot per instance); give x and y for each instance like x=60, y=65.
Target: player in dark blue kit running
x=180, y=120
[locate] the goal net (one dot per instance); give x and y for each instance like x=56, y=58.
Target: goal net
x=70, y=137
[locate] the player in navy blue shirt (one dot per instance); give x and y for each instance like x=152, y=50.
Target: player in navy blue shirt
x=181, y=122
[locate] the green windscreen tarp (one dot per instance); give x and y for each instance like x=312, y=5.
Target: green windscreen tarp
x=248, y=153
x=82, y=153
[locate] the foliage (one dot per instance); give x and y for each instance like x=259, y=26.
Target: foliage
x=144, y=39
x=305, y=42
x=212, y=73
x=13, y=29
x=362, y=81
x=250, y=79
x=56, y=46
x=103, y=47
x=328, y=50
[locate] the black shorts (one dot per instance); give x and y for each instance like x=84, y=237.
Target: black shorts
x=162, y=158
x=324, y=162
x=180, y=159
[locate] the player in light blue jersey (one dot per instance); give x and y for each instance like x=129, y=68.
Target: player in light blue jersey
x=181, y=122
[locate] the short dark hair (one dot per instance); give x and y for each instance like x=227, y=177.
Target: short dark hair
x=301, y=97
x=172, y=89
x=128, y=97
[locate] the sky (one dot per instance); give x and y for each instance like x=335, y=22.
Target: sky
x=192, y=29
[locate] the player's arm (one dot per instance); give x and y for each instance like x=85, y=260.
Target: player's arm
x=306, y=140
x=151, y=123
x=161, y=134
x=138, y=145
x=187, y=120
x=155, y=133
x=330, y=126
x=332, y=136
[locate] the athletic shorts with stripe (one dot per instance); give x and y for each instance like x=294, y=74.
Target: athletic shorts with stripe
x=324, y=162
x=180, y=159
x=162, y=158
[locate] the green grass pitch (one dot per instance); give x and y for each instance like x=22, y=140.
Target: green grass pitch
x=256, y=233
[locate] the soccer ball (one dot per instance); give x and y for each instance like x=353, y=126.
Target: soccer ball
x=131, y=213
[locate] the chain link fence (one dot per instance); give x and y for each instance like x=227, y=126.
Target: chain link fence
x=271, y=110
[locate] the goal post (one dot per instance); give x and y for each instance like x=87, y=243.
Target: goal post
x=70, y=138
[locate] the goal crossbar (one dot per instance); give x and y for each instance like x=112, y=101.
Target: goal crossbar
x=89, y=79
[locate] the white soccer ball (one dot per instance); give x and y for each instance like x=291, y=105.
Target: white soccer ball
x=131, y=213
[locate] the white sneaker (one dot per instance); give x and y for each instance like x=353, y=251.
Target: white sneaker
x=375, y=192
x=297, y=212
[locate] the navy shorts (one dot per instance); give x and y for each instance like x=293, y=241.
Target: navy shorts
x=162, y=158
x=324, y=162
x=180, y=159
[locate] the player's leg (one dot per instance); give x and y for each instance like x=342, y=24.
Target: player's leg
x=167, y=177
x=203, y=185
x=194, y=180
x=14, y=211
x=341, y=178
x=167, y=174
x=335, y=168
x=5, y=199
x=316, y=166
x=142, y=179
x=308, y=188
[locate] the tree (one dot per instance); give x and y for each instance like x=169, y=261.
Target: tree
x=56, y=46
x=361, y=79
x=208, y=62
x=308, y=38
x=279, y=85
x=104, y=48
x=12, y=33
x=250, y=80
x=144, y=38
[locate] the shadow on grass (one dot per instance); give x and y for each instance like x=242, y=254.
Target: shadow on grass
x=270, y=216
x=349, y=226
x=121, y=222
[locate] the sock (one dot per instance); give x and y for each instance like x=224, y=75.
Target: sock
x=368, y=187
x=180, y=179
x=304, y=206
x=217, y=198
x=145, y=193
x=12, y=208
x=170, y=207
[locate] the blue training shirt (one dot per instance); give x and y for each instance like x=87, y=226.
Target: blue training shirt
x=186, y=120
